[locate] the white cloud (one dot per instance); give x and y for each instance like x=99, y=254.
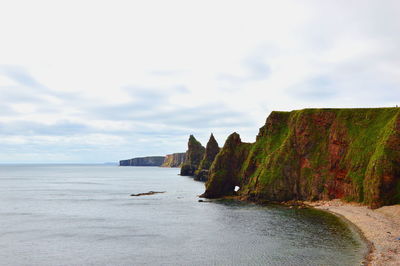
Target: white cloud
x=139, y=76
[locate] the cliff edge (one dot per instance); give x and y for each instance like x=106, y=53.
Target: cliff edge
x=312, y=154
x=212, y=149
x=174, y=160
x=143, y=161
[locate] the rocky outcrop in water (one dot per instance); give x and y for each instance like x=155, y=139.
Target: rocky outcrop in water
x=147, y=193
x=174, y=160
x=143, y=161
x=311, y=154
x=194, y=155
x=212, y=149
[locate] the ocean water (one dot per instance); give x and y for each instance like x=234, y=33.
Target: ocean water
x=84, y=215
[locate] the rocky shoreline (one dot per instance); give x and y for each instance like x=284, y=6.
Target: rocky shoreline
x=380, y=227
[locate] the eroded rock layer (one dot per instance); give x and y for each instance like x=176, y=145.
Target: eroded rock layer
x=311, y=154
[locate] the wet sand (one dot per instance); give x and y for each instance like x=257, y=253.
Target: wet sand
x=381, y=227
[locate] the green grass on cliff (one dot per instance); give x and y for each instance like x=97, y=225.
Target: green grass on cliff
x=368, y=130
x=320, y=153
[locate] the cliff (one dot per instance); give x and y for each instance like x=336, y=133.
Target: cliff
x=174, y=160
x=194, y=155
x=143, y=161
x=310, y=154
x=212, y=149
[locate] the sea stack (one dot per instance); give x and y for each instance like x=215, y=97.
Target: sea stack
x=194, y=155
x=212, y=149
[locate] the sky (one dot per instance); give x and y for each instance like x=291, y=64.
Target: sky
x=99, y=81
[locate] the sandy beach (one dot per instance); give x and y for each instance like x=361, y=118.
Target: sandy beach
x=381, y=227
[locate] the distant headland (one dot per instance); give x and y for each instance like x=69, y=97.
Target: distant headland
x=169, y=160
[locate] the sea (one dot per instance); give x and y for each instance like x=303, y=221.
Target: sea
x=84, y=215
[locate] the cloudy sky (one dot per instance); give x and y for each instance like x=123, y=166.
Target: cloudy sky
x=99, y=81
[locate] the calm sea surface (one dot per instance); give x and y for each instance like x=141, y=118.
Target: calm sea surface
x=83, y=215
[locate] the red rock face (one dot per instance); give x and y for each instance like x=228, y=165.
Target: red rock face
x=317, y=154
x=305, y=163
x=337, y=148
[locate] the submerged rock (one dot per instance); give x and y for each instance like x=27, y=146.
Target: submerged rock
x=147, y=193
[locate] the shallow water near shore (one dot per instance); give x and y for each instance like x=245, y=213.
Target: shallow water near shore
x=84, y=215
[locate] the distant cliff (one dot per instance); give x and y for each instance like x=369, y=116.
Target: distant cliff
x=174, y=160
x=212, y=149
x=311, y=154
x=143, y=161
x=194, y=155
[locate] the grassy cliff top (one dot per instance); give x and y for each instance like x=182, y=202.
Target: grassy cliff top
x=319, y=153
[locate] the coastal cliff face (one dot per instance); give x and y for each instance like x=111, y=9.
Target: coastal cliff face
x=194, y=155
x=212, y=149
x=174, y=160
x=311, y=154
x=143, y=161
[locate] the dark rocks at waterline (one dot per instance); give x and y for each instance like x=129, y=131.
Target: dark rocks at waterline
x=147, y=193
x=187, y=170
x=201, y=175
